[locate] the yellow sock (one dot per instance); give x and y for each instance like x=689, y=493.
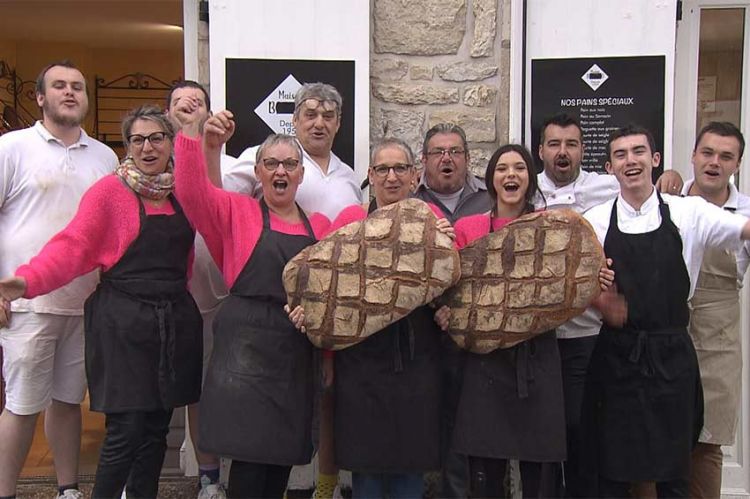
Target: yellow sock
x=325, y=486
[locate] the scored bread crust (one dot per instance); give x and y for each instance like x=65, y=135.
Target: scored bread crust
x=369, y=274
x=533, y=275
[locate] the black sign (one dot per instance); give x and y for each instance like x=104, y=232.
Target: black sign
x=260, y=93
x=604, y=93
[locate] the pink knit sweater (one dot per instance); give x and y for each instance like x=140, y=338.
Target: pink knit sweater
x=103, y=228
x=230, y=223
x=471, y=228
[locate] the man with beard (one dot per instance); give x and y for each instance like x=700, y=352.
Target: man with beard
x=447, y=183
x=44, y=171
x=565, y=185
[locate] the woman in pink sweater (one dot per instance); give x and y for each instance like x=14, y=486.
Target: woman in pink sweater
x=256, y=406
x=143, y=329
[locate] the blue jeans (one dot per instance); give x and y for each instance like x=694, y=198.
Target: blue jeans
x=390, y=485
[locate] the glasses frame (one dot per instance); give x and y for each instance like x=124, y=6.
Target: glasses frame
x=388, y=168
x=149, y=137
x=453, y=153
x=284, y=162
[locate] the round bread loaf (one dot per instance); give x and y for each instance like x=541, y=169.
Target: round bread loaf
x=534, y=274
x=369, y=274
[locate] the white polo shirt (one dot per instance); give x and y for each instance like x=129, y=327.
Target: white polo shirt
x=738, y=203
x=700, y=223
x=586, y=191
x=41, y=183
x=206, y=283
x=326, y=193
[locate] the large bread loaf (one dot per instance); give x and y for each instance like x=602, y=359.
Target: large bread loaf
x=534, y=274
x=369, y=274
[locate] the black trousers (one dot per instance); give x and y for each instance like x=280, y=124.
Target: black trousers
x=255, y=480
x=132, y=454
x=487, y=478
x=455, y=468
x=575, y=354
x=610, y=489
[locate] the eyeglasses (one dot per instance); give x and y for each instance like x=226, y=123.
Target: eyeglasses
x=453, y=152
x=271, y=164
x=155, y=139
x=312, y=104
x=383, y=170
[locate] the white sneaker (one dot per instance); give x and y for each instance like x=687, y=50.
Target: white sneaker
x=212, y=491
x=71, y=494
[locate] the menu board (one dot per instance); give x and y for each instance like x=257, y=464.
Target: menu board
x=604, y=93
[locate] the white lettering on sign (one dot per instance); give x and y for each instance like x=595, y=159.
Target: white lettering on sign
x=277, y=109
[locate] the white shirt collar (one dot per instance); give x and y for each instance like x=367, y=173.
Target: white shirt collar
x=83, y=139
x=651, y=202
x=334, y=163
x=732, y=201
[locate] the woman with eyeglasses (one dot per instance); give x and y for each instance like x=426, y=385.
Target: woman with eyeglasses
x=142, y=327
x=257, y=400
x=511, y=403
x=387, y=388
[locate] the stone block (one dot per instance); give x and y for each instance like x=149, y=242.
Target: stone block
x=485, y=27
x=427, y=27
x=479, y=95
x=404, y=124
x=402, y=93
x=479, y=124
x=388, y=69
x=421, y=72
x=466, y=71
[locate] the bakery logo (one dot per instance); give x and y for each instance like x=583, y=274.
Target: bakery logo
x=594, y=77
x=277, y=108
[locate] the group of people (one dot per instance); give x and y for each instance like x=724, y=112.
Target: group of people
x=639, y=391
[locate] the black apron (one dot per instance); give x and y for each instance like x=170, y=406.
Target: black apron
x=144, y=343
x=643, y=404
x=388, y=396
x=258, y=394
x=511, y=404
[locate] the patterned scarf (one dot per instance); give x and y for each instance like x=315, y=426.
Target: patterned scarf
x=154, y=187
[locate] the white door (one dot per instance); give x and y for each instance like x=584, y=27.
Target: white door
x=712, y=84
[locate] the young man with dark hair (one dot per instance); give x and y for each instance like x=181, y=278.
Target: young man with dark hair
x=44, y=171
x=715, y=306
x=643, y=405
x=565, y=185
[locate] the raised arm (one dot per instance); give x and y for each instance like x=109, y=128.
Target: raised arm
x=217, y=131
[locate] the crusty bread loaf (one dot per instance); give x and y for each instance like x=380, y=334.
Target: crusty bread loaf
x=369, y=274
x=533, y=275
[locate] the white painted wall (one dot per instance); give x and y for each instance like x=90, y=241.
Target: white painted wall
x=603, y=28
x=296, y=29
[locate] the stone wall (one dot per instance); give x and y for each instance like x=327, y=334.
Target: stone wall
x=441, y=60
